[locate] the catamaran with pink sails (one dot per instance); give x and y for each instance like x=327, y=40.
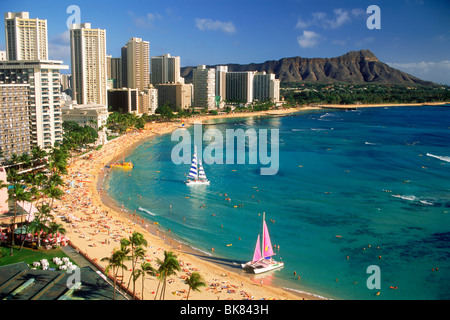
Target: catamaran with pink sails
x=262, y=258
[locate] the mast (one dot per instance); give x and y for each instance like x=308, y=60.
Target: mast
x=262, y=243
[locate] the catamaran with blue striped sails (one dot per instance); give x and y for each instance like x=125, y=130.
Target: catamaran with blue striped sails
x=197, y=173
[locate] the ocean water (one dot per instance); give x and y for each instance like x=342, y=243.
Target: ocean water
x=354, y=189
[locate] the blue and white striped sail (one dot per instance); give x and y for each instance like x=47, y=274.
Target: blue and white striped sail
x=193, y=172
x=201, y=172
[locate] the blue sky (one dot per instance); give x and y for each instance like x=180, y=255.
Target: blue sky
x=414, y=35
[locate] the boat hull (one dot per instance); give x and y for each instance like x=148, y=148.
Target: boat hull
x=261, y=267
x=197, y=183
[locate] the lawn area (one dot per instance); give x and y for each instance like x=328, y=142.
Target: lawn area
x=29, y=256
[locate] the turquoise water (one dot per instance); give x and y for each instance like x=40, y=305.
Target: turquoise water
x=354, y=189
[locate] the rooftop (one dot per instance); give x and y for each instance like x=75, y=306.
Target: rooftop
x=19, y=282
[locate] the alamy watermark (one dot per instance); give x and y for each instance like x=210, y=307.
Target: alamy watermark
x=258, y=147
x=374, y=21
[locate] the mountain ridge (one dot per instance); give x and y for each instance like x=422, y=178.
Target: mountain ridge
x=354, y=67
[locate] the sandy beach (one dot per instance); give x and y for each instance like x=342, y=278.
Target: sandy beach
x=95, y=226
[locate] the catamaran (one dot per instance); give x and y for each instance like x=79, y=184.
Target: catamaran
x=197, y=173
x=262, y=258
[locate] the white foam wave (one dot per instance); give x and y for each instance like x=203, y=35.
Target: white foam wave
x=409, y=198
x=446, y=159
x=307, y=293
x=371, y=143
x=413, y=198
x=147, y=211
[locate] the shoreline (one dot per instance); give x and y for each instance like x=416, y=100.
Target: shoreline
x=239, y=286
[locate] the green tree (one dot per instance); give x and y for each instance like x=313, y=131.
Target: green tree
x=145, y=268
x=135, y=241
x=167, y=268
x=115, y=262
x=17, y=193
x=195, y=281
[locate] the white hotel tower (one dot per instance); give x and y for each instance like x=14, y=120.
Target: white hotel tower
x=89, y=67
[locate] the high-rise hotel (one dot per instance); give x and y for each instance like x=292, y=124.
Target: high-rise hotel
x=165, y=69
x=27, y=63
x=89, y=66
x=138, y=64
x=26, y=39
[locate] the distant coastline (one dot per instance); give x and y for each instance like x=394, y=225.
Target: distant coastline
x=380, y=105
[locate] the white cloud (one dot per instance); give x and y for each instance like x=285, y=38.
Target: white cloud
x=209, y=24
x=321, y=19
x=427, y=70
x=146, y=21
x=59, y=47
x=309, y=39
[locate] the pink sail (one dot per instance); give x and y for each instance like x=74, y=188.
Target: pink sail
x=268, y=252
x=257, y=254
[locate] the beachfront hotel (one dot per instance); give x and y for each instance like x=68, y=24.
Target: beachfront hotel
x=125, y=100
x=43, y=77
x=148, y=100
x=204, y=81
x=178, y=95
x=266, y=87
x=15, y=129
x=239, y=86
x=26, y=39
x=89, y=66
x=165, y=69
x=138, y=64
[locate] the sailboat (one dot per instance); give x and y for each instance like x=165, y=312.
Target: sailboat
x=262, y=258
x=197, y=174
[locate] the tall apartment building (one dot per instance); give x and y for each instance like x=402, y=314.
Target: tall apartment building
x=177, y=95
x=89, y=67
x=43, y=78
x=15, y=129
x=239, y=86
x=26, y=39
x=266, y=87
x=204, y=81
x=165, y=69
x=125, y=100
x=148, y=100
x=138, y=64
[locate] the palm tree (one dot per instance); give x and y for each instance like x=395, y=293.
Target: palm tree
x=136, y=241
x=25, y=160
x=195, y=281
x=115, y=262
x=13, y=159
x=167, y=268
x=38, y=154
x=53, y=192
x=39, y=224
x=17, y=193
x=146, y=268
